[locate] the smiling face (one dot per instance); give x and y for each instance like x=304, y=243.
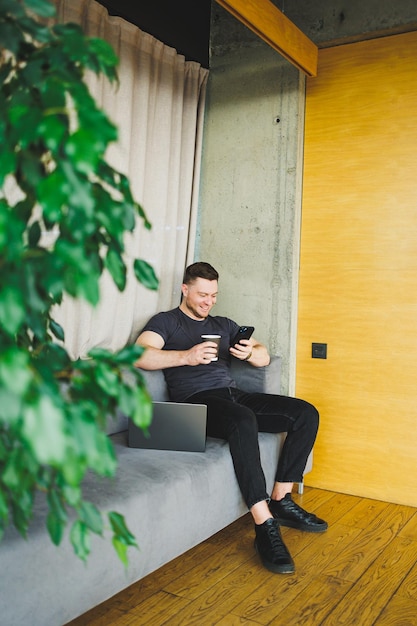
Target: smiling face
x=199, y=297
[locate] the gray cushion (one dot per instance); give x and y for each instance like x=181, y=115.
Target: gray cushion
x=251, y=379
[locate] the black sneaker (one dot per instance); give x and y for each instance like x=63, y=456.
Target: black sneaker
x=271, y=548
x=289, y=513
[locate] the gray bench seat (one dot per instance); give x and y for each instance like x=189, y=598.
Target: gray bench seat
x=171, y=502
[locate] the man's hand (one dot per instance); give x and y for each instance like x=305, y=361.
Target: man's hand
x=252, y=351
x=202, y=353
x=242, y=350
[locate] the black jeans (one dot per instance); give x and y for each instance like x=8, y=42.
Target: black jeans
x=237, y=417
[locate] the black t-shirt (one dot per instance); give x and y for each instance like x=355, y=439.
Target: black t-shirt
x=181, y=332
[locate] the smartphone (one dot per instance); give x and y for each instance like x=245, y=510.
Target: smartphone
x=244, y=332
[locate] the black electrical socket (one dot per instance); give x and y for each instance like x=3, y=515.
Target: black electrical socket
x=319, y=350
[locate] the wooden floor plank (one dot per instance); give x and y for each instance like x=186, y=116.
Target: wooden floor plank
x=219, y=601
x=333, y=509
x=375, y=588
x=234, y=620
x=156, y=610
x=311, y=606
x=221, y=563
x=313, y=498
x=103, y=615
x=354, y=559
x=410, y=529
x=408, y=588
x=363, y=513
x=398, y=612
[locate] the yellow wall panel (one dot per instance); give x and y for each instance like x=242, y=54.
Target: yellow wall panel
x=358, y=268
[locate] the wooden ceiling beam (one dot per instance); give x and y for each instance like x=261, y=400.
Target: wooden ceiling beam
x=271, y=25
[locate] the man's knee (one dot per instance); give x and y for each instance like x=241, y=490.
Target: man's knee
x=244, y=419
x=311, y=417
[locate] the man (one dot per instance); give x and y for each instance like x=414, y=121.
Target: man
x=173, y=343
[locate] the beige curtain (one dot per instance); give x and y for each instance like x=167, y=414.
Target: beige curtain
x=158, y=109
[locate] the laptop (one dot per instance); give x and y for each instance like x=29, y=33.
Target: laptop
x=175, y=426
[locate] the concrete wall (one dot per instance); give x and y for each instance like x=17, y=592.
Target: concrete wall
x=332, y=22
x=248, y=224
x=250, y=198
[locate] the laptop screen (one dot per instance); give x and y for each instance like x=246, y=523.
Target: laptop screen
x=175, y=426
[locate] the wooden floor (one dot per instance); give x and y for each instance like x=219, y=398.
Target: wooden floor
x=361, y=572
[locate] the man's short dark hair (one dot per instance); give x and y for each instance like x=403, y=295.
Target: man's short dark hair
x=199, y=270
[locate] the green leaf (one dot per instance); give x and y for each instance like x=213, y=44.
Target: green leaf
x=105, y=56
x=71, y=494
x=107, y=379
x=136, y=403
x=4, y=509
x=97, y=353
x=116, y=267
x=55, y=526
x=15, y=373
x=33, y=71
x=10, y=36
x=52, y=130
x=121, y=549
x=56, y=504
x=43, y=8
x=91, y=445
x=118, y=525
x=91, y=516
x=106, y=464
x=81, y=193
x=34, y=234
x=142, y=415
x=129, y=354
x=80, y=539
x=53, y=193
x=11, y=472
x=52, y=359
x=127, y=401
x=84, y=150
x=95, y=120
x=28, y=120
x=57, y=330
x=10, y=405
x=35, y=297
x=145, y=274
x=7, y=161
x=22, y=512
x=128, y=217
x=44, y=430
x=122, y=537
x=38, y=32
x=74, y=469
x=12, y=308
x=81, y=277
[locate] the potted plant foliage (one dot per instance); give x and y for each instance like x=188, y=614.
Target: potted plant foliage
x=54, y=177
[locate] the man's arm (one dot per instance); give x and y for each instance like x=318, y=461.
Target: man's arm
x=252, y=351
x=155, y=358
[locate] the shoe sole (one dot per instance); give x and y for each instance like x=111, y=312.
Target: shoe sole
x=287, y=568
x=305, y=527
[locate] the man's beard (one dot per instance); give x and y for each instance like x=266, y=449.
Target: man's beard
x=196, y=313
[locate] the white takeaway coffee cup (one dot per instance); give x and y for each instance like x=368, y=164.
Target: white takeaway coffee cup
x=216, y=339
